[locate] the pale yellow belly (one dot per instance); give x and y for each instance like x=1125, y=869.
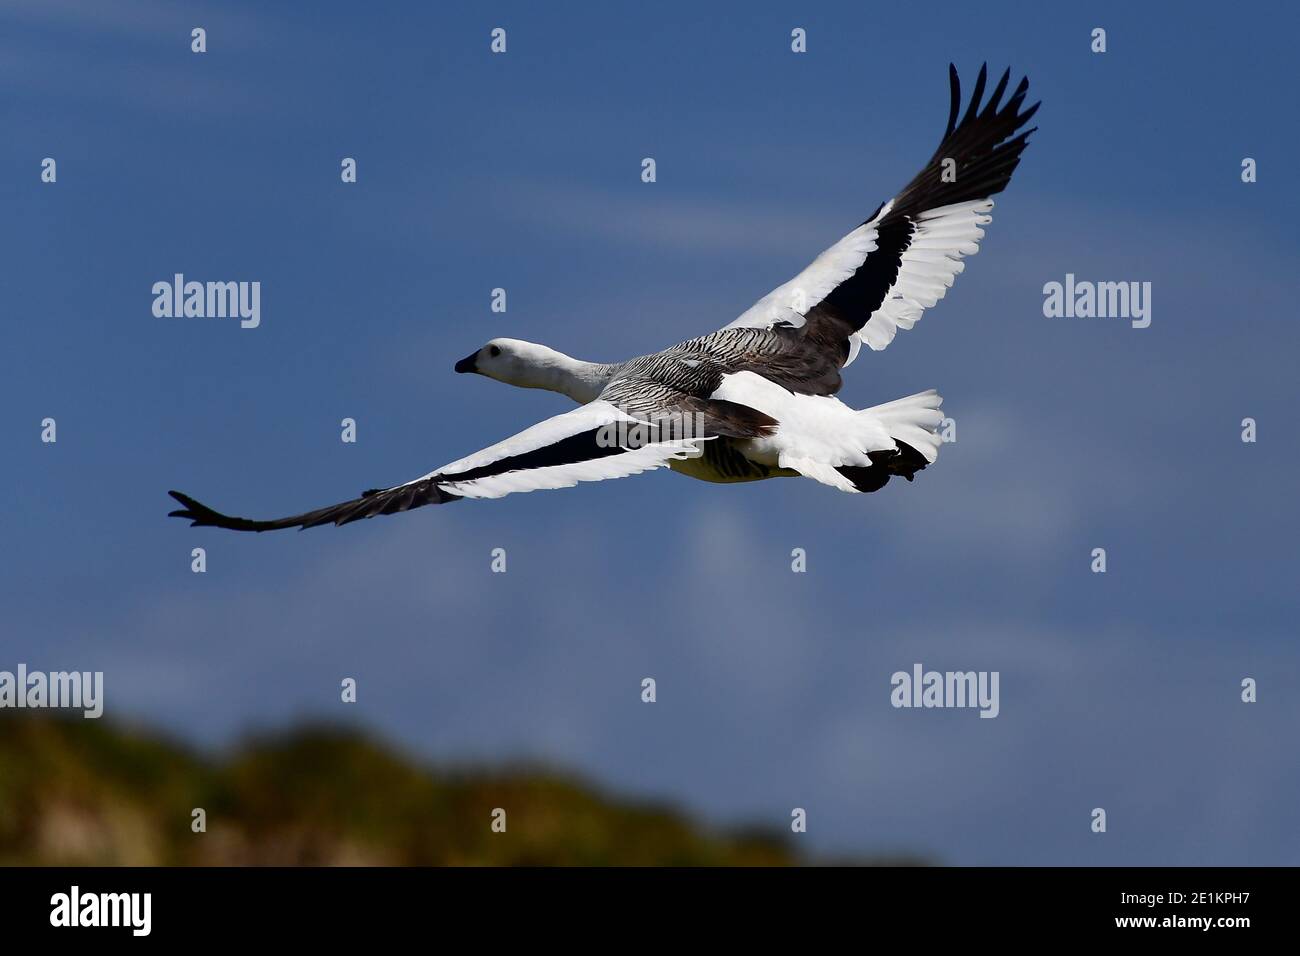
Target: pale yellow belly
x=723, y=462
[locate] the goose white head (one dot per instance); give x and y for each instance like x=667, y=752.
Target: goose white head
x=529, y=365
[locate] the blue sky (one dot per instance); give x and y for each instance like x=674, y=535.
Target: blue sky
x=522, y=171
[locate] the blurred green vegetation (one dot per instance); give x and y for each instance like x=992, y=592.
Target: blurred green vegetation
x=86, y=792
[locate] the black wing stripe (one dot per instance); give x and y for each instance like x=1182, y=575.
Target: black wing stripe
x=986, y=149
x=854, y=299
x=585, y=446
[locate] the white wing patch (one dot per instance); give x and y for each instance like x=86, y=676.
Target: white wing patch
x=630, y=462
x=932, y=261
x=595, y=415
x=943, y=237
x=790, y=302
x=548, y=432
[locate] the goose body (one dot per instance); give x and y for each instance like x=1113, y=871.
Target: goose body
x=756, y=398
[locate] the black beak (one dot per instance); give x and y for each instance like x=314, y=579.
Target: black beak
x=467, y=363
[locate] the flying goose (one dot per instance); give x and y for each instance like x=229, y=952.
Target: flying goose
x=754, y=399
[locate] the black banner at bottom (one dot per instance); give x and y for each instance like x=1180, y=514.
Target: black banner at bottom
x=329, y=905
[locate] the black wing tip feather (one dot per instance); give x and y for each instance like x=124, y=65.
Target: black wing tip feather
x=986, y=143
x=200, y=515
x=1010, y=112
x=385, y=501
x=197, y=512
x=954, y=106
x=975, y=97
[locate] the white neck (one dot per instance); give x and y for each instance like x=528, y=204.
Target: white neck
x=554, y=371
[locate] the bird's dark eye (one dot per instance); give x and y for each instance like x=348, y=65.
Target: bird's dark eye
x=494, y=350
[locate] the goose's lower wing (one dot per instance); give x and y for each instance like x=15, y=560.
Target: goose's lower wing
x=591, y=443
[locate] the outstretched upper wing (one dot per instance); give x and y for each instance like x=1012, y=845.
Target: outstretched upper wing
x=882, y=275
x=591, y=443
